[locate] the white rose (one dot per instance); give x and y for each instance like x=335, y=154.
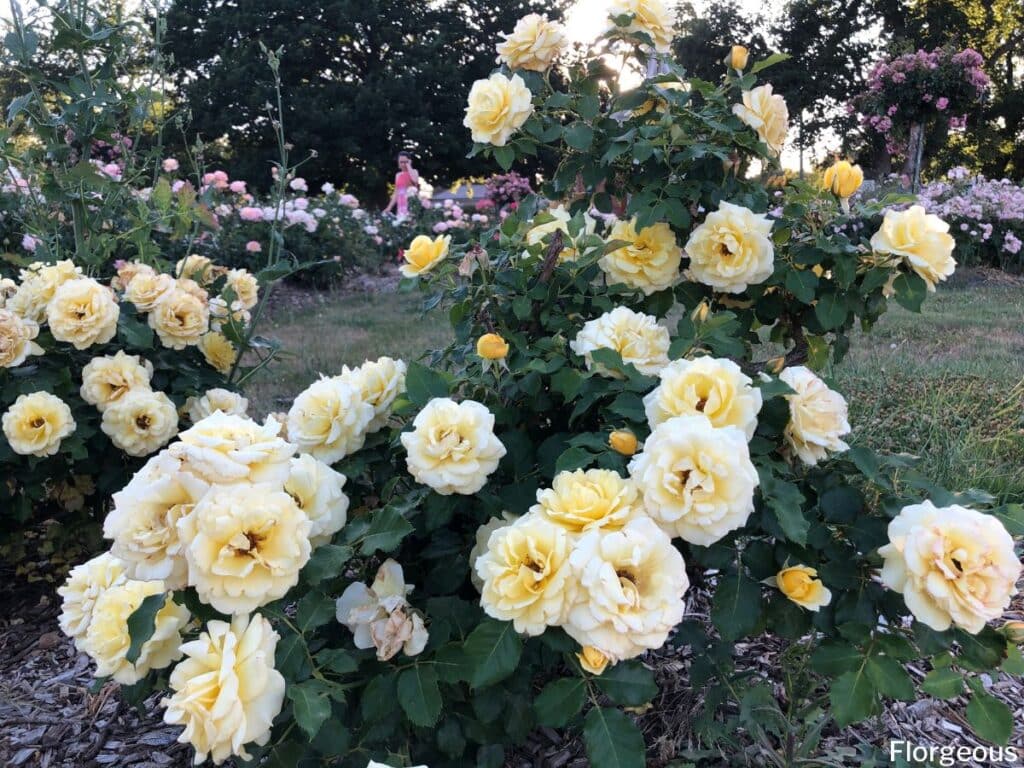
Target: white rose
x=85, y=583
x=317, y=489
x=223, y=448
x=329, y=420
x=213, y=400
x=141, y=422
x=379, y=383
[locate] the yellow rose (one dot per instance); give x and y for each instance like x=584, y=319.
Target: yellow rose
x=36, y=424
x=737, y=58
x=195, y=267
x=598, y=499
x=245, y=287
x=107, y=640
x=82, y=312
x=637, y=338
x=180, y=320
x=842, y=179
x=147, y=289
x=192, y=288
x=697, y=480
x=246, y=544
x=379, y=383
x=221, y=314
x=329, y=420
x=526, y=575
x=213, y=400
x=140, y=422
x=224, y=448
x=126, y=272
x=16, y=339
x=423, y=254
x=491, y=346
x=533, y=44
x=921, y=239
x=631, y=587
x=452, y=447
x=218, y=352
x=715, y=387
x=85, y=583
x=1014, y=632
x=660, y=102
x=649, y=261
x=105, y=380
x=38, y=284
x=317, y=489
x=226, y=693
x=540, y=233
x=731, y=249
x=593, y=660
x=817, y=416
x=801, y=585
x=498, y=107
x=767, y=114
x=954, y=565
x=623, y=441
x=483, y=535
x=651, y=17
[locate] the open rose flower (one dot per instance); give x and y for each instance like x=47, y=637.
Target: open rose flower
x=921, y=239
x=731, y=249
x=213, y=400
x=817, y=416
x=379, y=383
x=651, y=17
x=105, y=380
x=85, y=583
x=379, y=615
x=17, y=339
x=37, y=423
x=82, y=313
x=766, y=113
x=649, y=260
x=330, y=419
x=317, y=489
x=498, y=107
x=141, y=422
x=638, y=339
x=595, y=499
x=533, y=44
x=224, y=448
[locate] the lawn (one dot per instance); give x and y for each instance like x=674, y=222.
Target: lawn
x=946, y=385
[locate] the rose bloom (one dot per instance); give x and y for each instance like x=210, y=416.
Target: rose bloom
x=631, y=587
x=651, y=17
x=483, y=535
x=84, y=584
x=498, y=107
x=253, y=247
x=238, y=187
x=39, y=282
x=954, y=565
x=597, y=499
x=715, y=387
x=623, y=441
x=540, y=233
x=423, y=254
x=921, y=239
x=731, y=249
x=226, y=691
x=105, y=380
x=593, y=660
x=379, y=383
x=218, y=352
x=191, y=287
x=817, y=416
x=224, y=448
x=317, y=489
x=801, y=585
x=82, y=312
x=147, y=289
x=379, y=616
x=141, y=422
x=697, y=480
x=35, y=424
x=213, y=400
x=650, y=261
x=526, y=575
x=246, y=544
x=180, y=320
x=533, y=44
x=17, y=339
x=126, y=272
x=329, y=419
x=737, y=58
x=170, y=165
x=194, y=267
x=842, y=178
x=767, y=114
x=637, y=338
x=452, y=448
x=491, y=346
x=245, y=286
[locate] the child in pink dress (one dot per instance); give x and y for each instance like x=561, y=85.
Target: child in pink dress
x=407, y=178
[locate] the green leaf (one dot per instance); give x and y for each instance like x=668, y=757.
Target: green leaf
x=310, y=706
x=890, y=678
x=142, y=624
x=560, y=701
x=387, y=529
x=326, y=562
x=628, y=684
x=736, y=608
x=771, y=61
x=493, y=649
x=1012, y=518
x=988, y=716
x=833, y=658
x=578, y=136
x=802, y=284
x=419, y=695
x=943, y=683
x=378, y=699
x=830, y=311
x=910, y=291
x=134, y=333
x=853, y=697
x=612, y=740
x=423, y=384
x=786, y=502
x=504, y=156
x=314, y=610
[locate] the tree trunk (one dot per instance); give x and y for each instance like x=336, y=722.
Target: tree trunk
x=915, y=154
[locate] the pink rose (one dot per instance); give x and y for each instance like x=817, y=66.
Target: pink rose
x=170, y=165
x=253, y=247
x=238, y=187
x=248, y=213
x=941, y=103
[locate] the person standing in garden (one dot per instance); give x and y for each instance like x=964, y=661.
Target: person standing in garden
x=407, y=178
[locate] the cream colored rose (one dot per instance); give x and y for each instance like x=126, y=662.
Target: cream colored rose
x=922, y=240
x=731, y=249
x=715, y=387
x=379, y=383
x=226, y=693
x=246, y=544
x=652, y=17
x=84, y=584
x=650, y=260
x=141, y=422
x=423, y=254
x=498, y=107
x=107, y=640
x=218, y=352
x=817, y=416
x=540, y=233
x=631, y=587
x=245, y=287
x=224, y=448
x=483, y=535
x=597, y=499
x=379, y=615
x=317, y=489
x=7, y=289
x=954, y=565
x=147, y=289
x=221, y=314
x=452, y=447
x=196, y=268
x=105, y=380
x=526, y=575
x=697, y=480
x=593, y=660
x=126, y=272
x=39, y=282
x=533, y=44
x=82, y=313
x=194, y=289
x=142, y=526
x=801, y=584
x=17, y=339
x=767, y=114
x=213, y=400
x=329, y=420
x=637, y=338
x=37, y=423
x=180, y=320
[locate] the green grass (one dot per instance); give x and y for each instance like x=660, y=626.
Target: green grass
x=945, y=385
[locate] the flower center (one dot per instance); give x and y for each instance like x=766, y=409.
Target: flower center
x=143, y=421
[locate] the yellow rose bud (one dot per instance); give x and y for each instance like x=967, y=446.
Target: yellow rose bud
x=700, y=314
x=423, y=254
x=592, y=660
x=801, y=585
x=1014, y=632
x=843, y=179
x=737, y=58
x=818, y=270
x=776, y=364
x=623, y=441
x=491, y=346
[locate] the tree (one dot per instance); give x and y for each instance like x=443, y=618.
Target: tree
x=704, y=40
